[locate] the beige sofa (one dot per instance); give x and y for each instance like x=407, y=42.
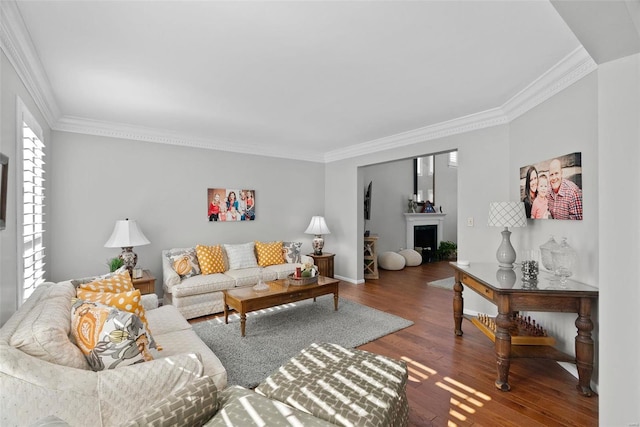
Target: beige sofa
x=42, y=373
x=201, y=294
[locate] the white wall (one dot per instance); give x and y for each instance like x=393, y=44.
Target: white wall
x=97, y=180
x=618, y=243
x=566, y=123
x=392, y=187
x=446, y=191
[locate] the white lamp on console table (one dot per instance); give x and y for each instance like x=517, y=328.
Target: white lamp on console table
x=506, y=214
x=126, y=234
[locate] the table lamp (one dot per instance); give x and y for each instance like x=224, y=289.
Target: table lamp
x=318, y=227
x=126, y=234
x=506, y=214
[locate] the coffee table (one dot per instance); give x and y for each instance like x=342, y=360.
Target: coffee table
x=244, y=300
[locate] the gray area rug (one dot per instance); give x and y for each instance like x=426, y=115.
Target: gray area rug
x=443, y=283
x=275, y=335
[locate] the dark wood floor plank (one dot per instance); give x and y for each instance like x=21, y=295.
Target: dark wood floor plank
x=451, y=379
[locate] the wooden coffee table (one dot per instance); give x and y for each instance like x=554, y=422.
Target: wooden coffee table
x=244, y=300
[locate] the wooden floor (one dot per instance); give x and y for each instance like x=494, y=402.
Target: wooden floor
x=451, y=378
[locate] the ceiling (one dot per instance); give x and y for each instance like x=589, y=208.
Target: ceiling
x=298, y=79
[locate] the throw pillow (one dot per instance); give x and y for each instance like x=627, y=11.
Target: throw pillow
x=269, y=253
x=109, y=338
x=89, y=279
x=185, y=262
x=291, y=252
x=210, y=259
x=116, y=283
x=241, y=256
x=127, y=301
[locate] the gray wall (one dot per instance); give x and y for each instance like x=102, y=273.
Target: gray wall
x=11, y=87
x=393, y=186
x=163, y=187
x=97, y=180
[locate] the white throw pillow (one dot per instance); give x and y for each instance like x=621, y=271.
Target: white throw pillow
x=291, y=252
x=241, y=256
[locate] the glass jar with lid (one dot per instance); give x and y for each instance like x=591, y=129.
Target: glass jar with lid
x=545, y=253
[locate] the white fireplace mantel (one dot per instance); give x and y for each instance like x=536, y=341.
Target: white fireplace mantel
x=413, y=219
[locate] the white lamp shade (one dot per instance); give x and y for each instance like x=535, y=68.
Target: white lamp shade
x=317, y=226
x=126, y=233
x=507, y=214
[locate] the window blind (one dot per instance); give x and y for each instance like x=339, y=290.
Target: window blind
x=33, y=223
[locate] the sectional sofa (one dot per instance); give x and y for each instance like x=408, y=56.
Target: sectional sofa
x=195, y=292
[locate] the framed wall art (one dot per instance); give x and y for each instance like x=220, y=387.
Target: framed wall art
x=225, y=204
x=4, y=177
x=552, y=189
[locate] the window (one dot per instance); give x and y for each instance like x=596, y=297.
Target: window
x=453, y=159
x=31, y=247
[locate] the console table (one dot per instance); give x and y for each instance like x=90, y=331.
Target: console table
x=507, y=290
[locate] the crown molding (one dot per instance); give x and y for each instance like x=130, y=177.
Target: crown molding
x=161, y=136
x=16, y=44
x=472, y=122
x=569, y=70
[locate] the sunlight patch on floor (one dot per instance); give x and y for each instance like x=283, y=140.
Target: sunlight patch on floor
x=417, y=371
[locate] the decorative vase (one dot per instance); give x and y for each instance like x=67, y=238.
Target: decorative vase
x=545, y=253
x=261, y=285
x=564, y=257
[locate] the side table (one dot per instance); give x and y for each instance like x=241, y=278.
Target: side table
x=146, y=284
x=324, y=263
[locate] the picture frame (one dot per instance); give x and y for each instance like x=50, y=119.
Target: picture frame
x=231, y=204
x=4, y=178
x=552, y=188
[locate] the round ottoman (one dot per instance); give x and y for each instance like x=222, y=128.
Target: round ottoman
x=412, y=258
x=391, y=261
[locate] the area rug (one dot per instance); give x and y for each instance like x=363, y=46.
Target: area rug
x=443, y=283
x=275, y=335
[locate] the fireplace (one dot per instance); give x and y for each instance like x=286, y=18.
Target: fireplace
x=424, y=230
x=426, y=237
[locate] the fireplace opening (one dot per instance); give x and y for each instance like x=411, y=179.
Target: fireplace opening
x=425, y=241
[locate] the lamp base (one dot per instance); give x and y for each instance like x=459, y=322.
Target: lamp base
x=318, y=244
x=506, y=255
x=129, y=259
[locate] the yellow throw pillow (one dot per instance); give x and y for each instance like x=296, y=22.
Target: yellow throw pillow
x=116, y=284
x=210, y=259
x=269, y=253
x=127, y=301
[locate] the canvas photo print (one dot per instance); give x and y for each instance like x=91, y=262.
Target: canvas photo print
x=552, y=189
x=224, y=204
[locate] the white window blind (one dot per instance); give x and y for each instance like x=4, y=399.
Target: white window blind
x=33, y=250
x=453, y=159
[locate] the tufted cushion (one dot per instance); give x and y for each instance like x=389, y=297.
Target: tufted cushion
x=342, y=386
x=113, y=283
x=291, y=252
x=127, y=301
x=411, y=257
x=241, y=256
x=192, y=405
x=109, y=338
x=210, y=258
x=269, y=253
x=391, y=261
x=184, y=262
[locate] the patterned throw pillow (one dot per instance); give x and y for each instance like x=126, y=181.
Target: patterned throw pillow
x=241, y=256
x=108, y=338
x=210, y=258
x=126, y=301
x=269, y=253
x=114, y=283
x=291, y=252
x=185, y=262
